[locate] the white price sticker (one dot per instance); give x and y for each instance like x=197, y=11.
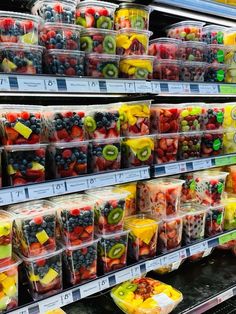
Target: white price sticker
x=103, y=284
x=136, y=272
x=77, y=184
x=21, y=311
x=182, y=254
x=49, y=304
x=59, y=188
x=182, y=167
x=89, y=289
x=130, y=87
x=225, y=296
x=31, y=84
x=206, y=89
x=115, y=87
x=93, y=183
x=18, y=195
x=143, y=87
x=153, y=264
x=123, y=275
x=42, y=190
x=5, y=198
x=67, y=298
x=132, y=175
x=4, y=83
x=173, y=257
x=172, y=168
x=156, y=87
x=77, y=86
x=177, y=88
x=94, y=86
x=202, y=164
x=51, y=85
x=120, y=177
x=197, y=248
x=107, y=179
x=144, y=173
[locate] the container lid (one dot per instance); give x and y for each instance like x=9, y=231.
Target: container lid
x=167, y=135
x=219, y=46
x=167, y=106
x=193, y=44
x=165, y=182
x=168, y=61
x=214, y=27
x=59, y=250
x=172, y=217
x=5, y=46
x=91, y=31
x=195, y=63
x=65, y=52
x=138, y=57
x=139, y=102
x=186, y=23
x=141, y=221
x=72, y=144
x=16, y=15
x=148, y=137
x=134, y=6
x=39, y=3
x=77, y=247
x=135, y=31
x=110, y=195
x=24, y=147
x=217, y=66
x=108, y=5
x=112, y=235
x=6, y=216
x=191, y=133
x=191, y=208
x=110, y=57
x=33, y=209
x=78, y=201
x=217, y=131
x=114, y=140
x=64, y=108
x=63, y=26
x=165, y=40
x=209, y=174
x=14, y=262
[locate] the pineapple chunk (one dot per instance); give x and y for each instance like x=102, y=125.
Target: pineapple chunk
x=50, y=276
x=22, y=129
x=42, y=236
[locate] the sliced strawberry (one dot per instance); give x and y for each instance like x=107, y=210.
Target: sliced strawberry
x=112, y=133
x=103, y=12
x=8, y=39
x=66, y=173
x=76, y=132
x=67, y=153
x=58, y=8
x=19, y=181
x=62, y=134
x=11, y=134
x=90, y=11
x=144, y=251
x=78, y=230
x=90, y=21
x=38, y=220
x=75, y=212
x=89, y=229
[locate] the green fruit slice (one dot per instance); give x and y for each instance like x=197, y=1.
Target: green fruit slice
x=128, y=286
x=110, y=152
x=120, y=293
x=137, y=22
x=115, y=216
x=117, y=251
x=123, y=117
x=81, y=21
x=90, y=124
x=144, y=153
x=86, y=44
x=141, y=73
x=104, y=22
x=5, y=251
x=110, y=71
x=109, y=44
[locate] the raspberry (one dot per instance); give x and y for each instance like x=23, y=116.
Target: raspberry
x=25, y=115
x=41, y=262
x=11, y=117
x=75, y=212
x=38, y=220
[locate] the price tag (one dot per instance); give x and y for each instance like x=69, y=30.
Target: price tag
x=130, y=87
x=156, y=88
x=143, y=87
x=51, y=85
x=197, y=248
x=77, y=184
x=225, y=296
x=107, y=179
x=182, y=254
x=228, y=89
x=123, y=275
x=18, y=195
x=153, y=264
x=93, y=183
x=206, y=89
x=164, y=260
x=178, y=88
x=31, y=84
x=132, y=175
x=89, y=289
x=5, y=198
x=4, y=83
x=77, y=86
x=136, y=271
x=67, y=298
x=21, y=311
x=182, y=167
x=59, y=188
x=41, y=190
x=172, y=169
x=103, y=283
x=94, y=86
x=222, y=161
x=202, y=164
x=115, y=87
x=49, y=304
x=120, y=177
x=144, y=173
x=173, y=257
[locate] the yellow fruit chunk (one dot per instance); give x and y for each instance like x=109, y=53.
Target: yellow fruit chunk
x=22, y=129
x=149, y=303
x=29, y=38
x=139, y=143
x=8, y=66
x=42, y=236
x=34, y=277
x=144, y=229
x=10, y=291
x=8, y=282
x=37, y=166
x=2, y=277
x=123, y=41
x=50, y=276
x=5, y=229
x=11, y=170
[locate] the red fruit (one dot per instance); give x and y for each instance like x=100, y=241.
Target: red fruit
x=66, y=173
x=89, y=229
x=8, y=39
x=8, y=22
x=90, y=11
x=70, y=71
x=40, y=152
x=103, y=12
x=41, y=262
x=73, y=62
x=11, y=134
x=85, y=274
x=28, y=25
x=75, y=212
x=19, y=181
x=51, y=34
x=62, y=134
x=76, y=132
x=101, y=164
x=84, y=250
x=33, y=174
x=11, y=117
x=114, y=203
x=68, y=114
x=25, y=115
x=84, y=235
x=144, y=251
x=35, y=249
x=38, y=220
x=112, y=133
x=58, y=8
x=134, y=129
x=67, y=153
x=78, y=230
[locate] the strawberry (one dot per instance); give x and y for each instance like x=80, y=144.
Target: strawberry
x=100, y=164
x=78, y=230
x=28, y=25
x=62, y=134
x=90, y=21
x=76, y=132
x=89, y=229
x=103, y=12
x=11, y=134
x=66, y=173
x=144, y=251
x=19, y=181
x=85, y=275
x=11, y=117
x=90, y=11
x=8, y=22
x=112, y=133
x=58, y=8
x=33, y=174
x=41, y=262
x=68, y=114
x=84, y=250
x=85, y=235
x=70, y=71
x=67, y=153
x=38, y=220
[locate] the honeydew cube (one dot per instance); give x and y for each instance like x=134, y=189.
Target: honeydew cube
x=10, y=291
x=50, y=276
x=4, y=302
x=5, y=251
x=42, y=236
x=22, y=129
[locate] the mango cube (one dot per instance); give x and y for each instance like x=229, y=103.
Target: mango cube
x=22, y=129
x=50, y=276
x=42, y=236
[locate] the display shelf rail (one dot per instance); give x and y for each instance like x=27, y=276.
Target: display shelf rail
x=77, y=293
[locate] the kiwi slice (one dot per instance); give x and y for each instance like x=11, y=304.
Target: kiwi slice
x=144, y=153
x=86, y=44
x=109, y=44
x=115, y=216
x=117, y=250
x=110, y=71
x=104, y=22
x=110, y=152
x=90, y=124
x=141, y=73
x=123, y=117
x=81, y=21
x=128, y=286
x=120, y=293
x=137, y=22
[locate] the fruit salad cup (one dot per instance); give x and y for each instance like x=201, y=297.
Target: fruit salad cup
x=212, y=116
x=229, y=141
x=188, y=188
x=130, y=202
x=166, y=70
x=231, y=64
x=210, y=186
x=191, y=117
x=136, y=67
x=137, y=151
x=25, y=163
x=21, y=58
x=193, y=71
x=81, y=262
x=164, y=48
x=142, y=236
x=189, y=145
x=35, y=224
x=44, y=274
x=229, y=115
x=214, y=221
x=105, y=155
x=112, y=251
x=165, y=118
x=230, y=212
x=64, y=62
x=230, y=36
x=55, y=11
x=231, y=179
x=132, y=42
x=192, y=51
x=212, y=143
x=216, y=53
x=96, y=14
x=135, y=118
x=215, y=73
x=6, y=233
x=21, y=124
x=186, y=31
x=99, y=65
x=213, y=34
x=98, y=41
x=166, y=148
x=60, y=36
x=130, y=15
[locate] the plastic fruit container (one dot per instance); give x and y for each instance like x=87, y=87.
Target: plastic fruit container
x=81, y=262
x=160, y=196
x=132, y=42
x=215, y=73
x=44, y=274
x=166, y=148
x=194, y=217
x=102, y=65
x=105, y=155
x=229, y=115
x=210, y=186
x=19, y=28
x=212, y=116
x=98, y=41
x=142, y=236
x=230, y=212
x=164, y=48
x=35, y=224
x=214, y=220
x=25, y=163
x=137, y=151
x=169, y=70
x=231, y=179
x=189, y=145
x=130, y=201
x=130, y=15
x=229, y=142
x=131, y=296
x=21, y=124
x=96, y=14
x=55, y=11
x=193, y=71
x=165, y=118
x=60, y=36
x=191, y=117
x=64, y=62
x=135, y=118
x=136, y=67
x=186, y=31
x=213, y=34
x=192, y=51
x=216, y=53
x=20, y=58
x=230, y=36
x=5, y=236
x=212, y=143
x=188, y=188
x=112, y=251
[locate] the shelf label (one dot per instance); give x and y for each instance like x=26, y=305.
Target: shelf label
x=94, y=86
x=132, y=175
x=77, y=86
x=178, y=88
x=130, y=87
x=103, y=283
x=4, y=84
x=67, y=298
x=197, y=248
x=144, y=173
x=123, y=275
x=40, y=191
x=153, y=264
x=208, y=89
x=222, y=161
x=59, y=188
x=31, y=84
x=172, y=169
x=156, y=87
x=182, y=167
x=115, y=87
x=49, y=304
x=173, y=257
x=232, y=159
x=18, y=195
x=202, y=164
x=136, y=271
x=93, y=183
x=5, y=198
x=120, y=177
x=89, y=288
x=182, y=254
x=51, y=85
x=107, y=179
x=143, y=87
x=77, y=184
x=228, y=89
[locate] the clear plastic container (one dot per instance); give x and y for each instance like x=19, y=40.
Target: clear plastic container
x=102, y=65
x=216, y=53
x=230, y=36
x=229, y=142
x=191, y=117
x=25, y=163
x=130, y=15
x=64, y=62
x=6, y=234
x=160, y=196
x=214, y=220
x=21, y=58
x=169, y=70
x=189, y=145
x=132, y=42
x=44, y=274
x=142, y=236
x=55, y=11
x=35, y=224
x=164, y=48
x=166, y=148
x=193, y=71
x=96, y=14
x=137, y=151
x=112, y=251
x=192, y=51
x=213, y=34
x=229, y=115
x=230, y=58
x=210, y=186
x=81, y=262
x=215, y=73
x=212, y=143
x=130, y=202
x=230, y=212
x=188, y=188
x=21, y=124
x=98, y=41
x=186, y=31
x=212, y=116
x=136, y=67
x=230, y=185
x=60, y=36
x=135, y=118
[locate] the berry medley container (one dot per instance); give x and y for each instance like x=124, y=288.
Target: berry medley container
x=212, y=143
x=112, y=251
x=142, y=236
x=132, y=42
x=229, y=115
x=5, y=236
x=21, y=124
x=21, y=58
x=64, y=62
x=216, y=53
x=166, y=148
x=55, y=11
x=25, y=163
x=130, y=15
x=212, y=116
x=213, y=34
x=169, y=70
x=186, y=31
x=96, y=14
x=193, y=71
x=99, y=65
x=189, y=145
x=214, y=220
x=98, y=41
x=44, y=274
x=60, y=36
x=191, y=117
x=192, y=51
x=230, y=212
x=215, y=73
x=136, y=67
x=164, y=48
x=81, y=262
